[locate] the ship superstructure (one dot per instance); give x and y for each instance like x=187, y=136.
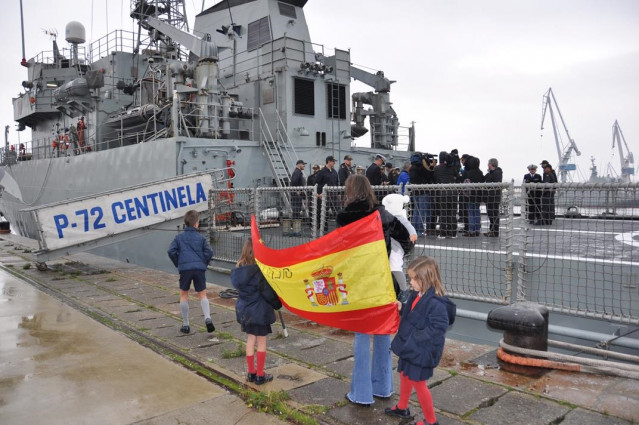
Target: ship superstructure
x=246, y=91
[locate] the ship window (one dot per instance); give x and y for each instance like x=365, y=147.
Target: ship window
x=304, y=96
x=336, y=101
x=259, y=32
x=320, y=138
x=287, y=10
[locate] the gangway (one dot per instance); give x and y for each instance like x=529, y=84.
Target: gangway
x=89, y=222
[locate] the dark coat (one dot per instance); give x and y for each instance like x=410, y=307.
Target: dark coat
x=374, y=175
x=535, y=178
x=392, y=227
x=297, y=178
x=420, y=175
x=190, y=250
x=344, y=173
x=493, y=176
x=445, y=174
x=472, y=174
x=310, y=181
x=256, y=300
x=326, y=177
x=422, y=331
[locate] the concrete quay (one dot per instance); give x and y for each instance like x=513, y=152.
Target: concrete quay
x=312, y=365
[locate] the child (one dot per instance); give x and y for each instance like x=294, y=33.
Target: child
x=191, y=253
x=419, y=342
x=254, y=311
x=394, y=204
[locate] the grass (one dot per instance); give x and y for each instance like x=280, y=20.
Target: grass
x=27, y=266
x=238, y=352
x=111, y=279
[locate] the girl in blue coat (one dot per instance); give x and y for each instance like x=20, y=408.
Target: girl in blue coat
x=419, y=342
x=254, y=310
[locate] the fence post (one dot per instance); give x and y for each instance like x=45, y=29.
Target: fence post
x=510, y=236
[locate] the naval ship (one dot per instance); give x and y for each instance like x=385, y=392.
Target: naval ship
x=246, y=94
x=250, y=94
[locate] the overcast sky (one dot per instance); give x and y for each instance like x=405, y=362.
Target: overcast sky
x=470, y=73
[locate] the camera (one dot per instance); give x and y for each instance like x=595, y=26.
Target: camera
x=430, y=160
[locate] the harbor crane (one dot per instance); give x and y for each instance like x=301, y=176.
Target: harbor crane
x=564, y=150
x=627, y=161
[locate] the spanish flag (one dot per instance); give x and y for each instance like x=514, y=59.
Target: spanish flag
x=342, y=279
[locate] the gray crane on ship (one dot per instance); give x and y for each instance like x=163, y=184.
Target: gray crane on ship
x=564, y=149
x=627, y=160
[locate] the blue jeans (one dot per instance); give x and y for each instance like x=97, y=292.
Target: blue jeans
x=421, y=215
x=474, y=217
x=379, y=382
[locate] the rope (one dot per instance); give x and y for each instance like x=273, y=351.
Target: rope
x=591, y=350
x=229, y=293
x=628, y=370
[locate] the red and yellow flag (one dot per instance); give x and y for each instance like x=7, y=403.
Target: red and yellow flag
x=342, y=279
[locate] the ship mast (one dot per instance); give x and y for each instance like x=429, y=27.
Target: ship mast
x=172, y=12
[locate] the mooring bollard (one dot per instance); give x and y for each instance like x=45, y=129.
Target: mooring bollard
x=524, y=324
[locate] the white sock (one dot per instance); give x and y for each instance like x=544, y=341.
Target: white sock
x=184, y=307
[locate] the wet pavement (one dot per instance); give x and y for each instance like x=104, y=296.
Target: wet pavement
x=311, y=366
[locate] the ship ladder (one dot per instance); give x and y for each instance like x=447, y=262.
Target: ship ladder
x=281, y=156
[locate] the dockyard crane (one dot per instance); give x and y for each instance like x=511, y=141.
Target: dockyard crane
x=627, y=161
x=564, y=150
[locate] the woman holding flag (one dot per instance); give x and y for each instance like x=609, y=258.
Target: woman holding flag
x=360, y=201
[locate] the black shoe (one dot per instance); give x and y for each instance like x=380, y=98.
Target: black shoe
x=356, y=403
x=251, y=377
x=396, y=411
x=185, y=329
x=209, y=325
x=259, y=380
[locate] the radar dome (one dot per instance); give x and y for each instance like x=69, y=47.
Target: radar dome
x=74, y=33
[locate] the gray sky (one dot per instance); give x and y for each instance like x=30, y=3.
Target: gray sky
x=471, y=74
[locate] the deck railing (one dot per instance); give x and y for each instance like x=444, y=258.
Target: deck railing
x=568, y=246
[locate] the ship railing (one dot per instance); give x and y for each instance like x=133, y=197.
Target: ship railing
x=580, y=258
x=115, y=41
x=48, y=58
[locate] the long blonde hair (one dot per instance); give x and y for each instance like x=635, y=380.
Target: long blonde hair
x=247, y=257
x=427, y=274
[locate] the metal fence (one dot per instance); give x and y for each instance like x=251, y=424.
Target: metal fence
x=568, y=246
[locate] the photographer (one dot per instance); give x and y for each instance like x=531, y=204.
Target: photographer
x=447, y=173
x=421, y=172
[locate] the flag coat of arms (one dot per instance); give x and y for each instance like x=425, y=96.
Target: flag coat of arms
x=342, y=279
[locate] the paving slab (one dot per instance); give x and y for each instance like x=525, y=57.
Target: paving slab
x=312, y=349
x=460, y=395
x=613, y=395
x=326, y=392
x=519, y=408
x=290, y=375
x=587, y=417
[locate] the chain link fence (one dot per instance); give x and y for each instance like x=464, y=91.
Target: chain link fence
x=571, y=247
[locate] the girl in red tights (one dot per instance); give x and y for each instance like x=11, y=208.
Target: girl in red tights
x=419, y=342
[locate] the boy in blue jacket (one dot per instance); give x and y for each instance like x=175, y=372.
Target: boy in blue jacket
x=191, y=253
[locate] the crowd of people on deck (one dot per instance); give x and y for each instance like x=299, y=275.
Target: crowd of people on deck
x=436, y=212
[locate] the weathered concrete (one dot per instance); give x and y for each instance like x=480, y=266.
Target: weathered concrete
x=313, y=365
